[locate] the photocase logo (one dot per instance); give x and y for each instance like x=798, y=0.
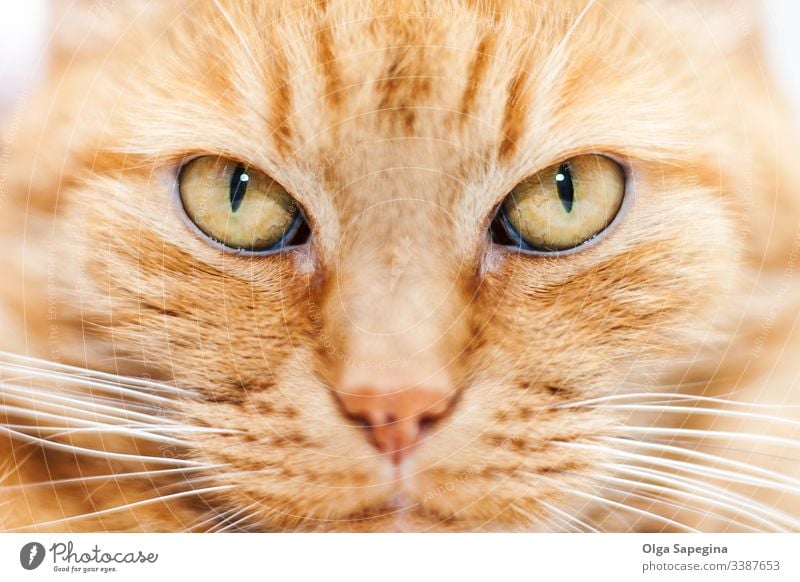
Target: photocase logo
x=31, y=555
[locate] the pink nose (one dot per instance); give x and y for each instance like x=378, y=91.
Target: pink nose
x=395, y=419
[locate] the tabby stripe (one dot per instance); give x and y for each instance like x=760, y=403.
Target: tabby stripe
x=329, y=67
x=282, y=107
x=477, y=71
x=514, y=115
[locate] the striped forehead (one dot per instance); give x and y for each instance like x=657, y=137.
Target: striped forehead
x=323, y=77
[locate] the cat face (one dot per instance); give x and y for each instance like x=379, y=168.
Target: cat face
x=405, y=363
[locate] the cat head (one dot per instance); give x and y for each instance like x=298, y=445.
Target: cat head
x=414, y=339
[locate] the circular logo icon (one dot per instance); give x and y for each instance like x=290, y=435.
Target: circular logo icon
x=31, y=555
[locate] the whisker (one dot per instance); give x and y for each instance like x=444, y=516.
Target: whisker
x=639, y=485
x=698, y=410
x=704, y=488
x=751, y=437
x=137, y=430
x=76, y=371
x=155, y=473
x=210, y=516
x=35, y=414
x=558, y=524
x=773, y=475
x=668, y=397
x=229, y=474
x=649, y=498
x=96, y=453
x=532, y=520
x=559, y=51
x=567, y=518
x=248, y=514
x=60, y=432
x=132, y=505
x=605, y=501
x=726, y=447
x=106, y=386
x=88, y=395
x=642, y=512
x=693, y=468
x=75, y=404
x=136, y=427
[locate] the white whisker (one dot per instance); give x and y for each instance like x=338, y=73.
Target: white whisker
x=230, y=474
x=665, y=397
x=698, y=410
x=668, y=397
x=60, y=432
x=564, y=42
x=144, y=430
x=96, y=453
x=567, y=518
x=604, y=501
x=642, y=512
x=86, y=383
x=45, y=398
x=559, y=524
x=155, y=473
x=210, y=516
x=226, y=524
x=244, y=42
x=87, y=395
x=639, y=485
x=703, y=434
x=75, y=371
x=532, y=520
x=773, y=475
x=724, y=447
x=693, y=468
x=704, y=488
x=43, y=421
x=657, y=499
x=133, y=505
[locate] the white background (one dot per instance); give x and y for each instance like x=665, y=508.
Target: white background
x=22, y=38
x=782, y=24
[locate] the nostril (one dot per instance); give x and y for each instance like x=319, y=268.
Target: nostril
x=425, y=423
x=361, y=420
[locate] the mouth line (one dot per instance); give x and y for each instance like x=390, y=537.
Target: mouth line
x=397, y=506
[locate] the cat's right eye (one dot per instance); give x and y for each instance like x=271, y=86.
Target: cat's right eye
x=240, y=207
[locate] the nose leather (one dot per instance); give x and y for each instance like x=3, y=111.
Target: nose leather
x=395, y=417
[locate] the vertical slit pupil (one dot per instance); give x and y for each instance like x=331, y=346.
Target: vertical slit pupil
x=238, y=186
x=566, y=191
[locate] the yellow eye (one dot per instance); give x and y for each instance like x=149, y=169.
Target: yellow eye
x=238, y=206
x=564, y=205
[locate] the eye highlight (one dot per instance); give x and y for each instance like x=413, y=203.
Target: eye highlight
x=562, y=206
x=239, y=207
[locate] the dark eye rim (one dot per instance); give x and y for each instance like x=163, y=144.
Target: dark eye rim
x=300, y=228
x=500, y=224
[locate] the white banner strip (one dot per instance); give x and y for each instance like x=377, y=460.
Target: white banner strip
x=401, y=557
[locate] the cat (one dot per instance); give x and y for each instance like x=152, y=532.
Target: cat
x=400, y=266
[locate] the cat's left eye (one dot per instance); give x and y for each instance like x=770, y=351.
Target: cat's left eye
x=240, y=207
x=563, y=206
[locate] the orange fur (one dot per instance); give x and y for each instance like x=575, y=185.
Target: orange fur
x=399, y=127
